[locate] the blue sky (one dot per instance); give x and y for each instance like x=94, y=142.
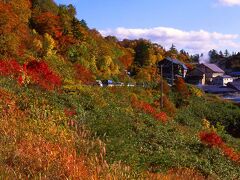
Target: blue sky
x=194, y=25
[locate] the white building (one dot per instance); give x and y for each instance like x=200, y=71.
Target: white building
x=222, y=80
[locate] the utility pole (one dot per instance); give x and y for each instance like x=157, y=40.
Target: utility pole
x=161, y=87
x=172, y=74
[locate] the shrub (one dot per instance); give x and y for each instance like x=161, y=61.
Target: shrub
x=83, y=74
x=42, y=75
x=10, y=68
x=148, y=109
x=195, y=91
x=181, y=87
x=210, y=139
x=169, y=106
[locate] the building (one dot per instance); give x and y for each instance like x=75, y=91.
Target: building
x=222, y=80
x=196, y=77
x=211, y=71
x=172, y=68
x=204, y=74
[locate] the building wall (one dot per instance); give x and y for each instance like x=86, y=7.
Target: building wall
x=227, y=80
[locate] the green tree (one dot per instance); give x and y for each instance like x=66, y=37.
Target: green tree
x=45, y=6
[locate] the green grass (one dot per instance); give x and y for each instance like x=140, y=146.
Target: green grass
x=131, y=136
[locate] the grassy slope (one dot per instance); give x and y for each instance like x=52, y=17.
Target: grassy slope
x=38, y=139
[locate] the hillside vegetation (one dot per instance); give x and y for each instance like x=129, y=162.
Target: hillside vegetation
x=56, y=124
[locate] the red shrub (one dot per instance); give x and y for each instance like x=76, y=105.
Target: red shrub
x=211, y=138
x=147, y=108
x=10, y=68
x=40, y=74
x=230, y=153
x=70, y=112
x=162, y=116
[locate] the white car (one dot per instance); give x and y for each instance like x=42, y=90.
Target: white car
x=130, y=84
x=99, y=83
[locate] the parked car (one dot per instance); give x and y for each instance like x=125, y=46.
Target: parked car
x=99, y=83
x=118, y=84
x=130, y=84
x=108, y=83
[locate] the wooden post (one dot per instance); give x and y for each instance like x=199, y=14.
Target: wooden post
x=161, y=88
x=172, y=74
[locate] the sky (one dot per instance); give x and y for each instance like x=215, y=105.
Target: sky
x=196, y=26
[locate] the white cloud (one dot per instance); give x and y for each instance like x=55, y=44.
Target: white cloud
x=229, y=2
x=192, y=41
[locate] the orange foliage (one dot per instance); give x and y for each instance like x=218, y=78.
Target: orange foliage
x=41, y=156
x=48, y=23
x=181, y=87
x=8, y=18
x=127, y=59
x=65, y=41
x=169, y=106
x=83, y=74
x=177, y=174
x=147, y=108
x=189, y=66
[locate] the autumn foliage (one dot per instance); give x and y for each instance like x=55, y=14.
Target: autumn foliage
x=10, y=68
x=212, y=139
x=181, y=87
x=34, y=72
x=83, y=74
x=48, y=23
x=148, y=109
x=41, y=74
x=41, y=156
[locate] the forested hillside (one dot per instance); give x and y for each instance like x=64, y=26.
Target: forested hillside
x=55, y=123
x=41, y=30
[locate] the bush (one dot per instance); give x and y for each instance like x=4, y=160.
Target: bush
x=42, y=75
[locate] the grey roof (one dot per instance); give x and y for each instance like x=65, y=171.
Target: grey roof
x=224, y=76
x=213, y=67
x=175, y=61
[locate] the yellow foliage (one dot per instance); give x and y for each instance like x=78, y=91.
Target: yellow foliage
x=206, y=124
x=48, y=45
x=37, y=44
x=196, y=91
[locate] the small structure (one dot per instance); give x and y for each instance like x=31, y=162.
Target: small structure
x=204, y=74
x=195, y=76
x=172, y=68
x=211, y=71
x=222, y=80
